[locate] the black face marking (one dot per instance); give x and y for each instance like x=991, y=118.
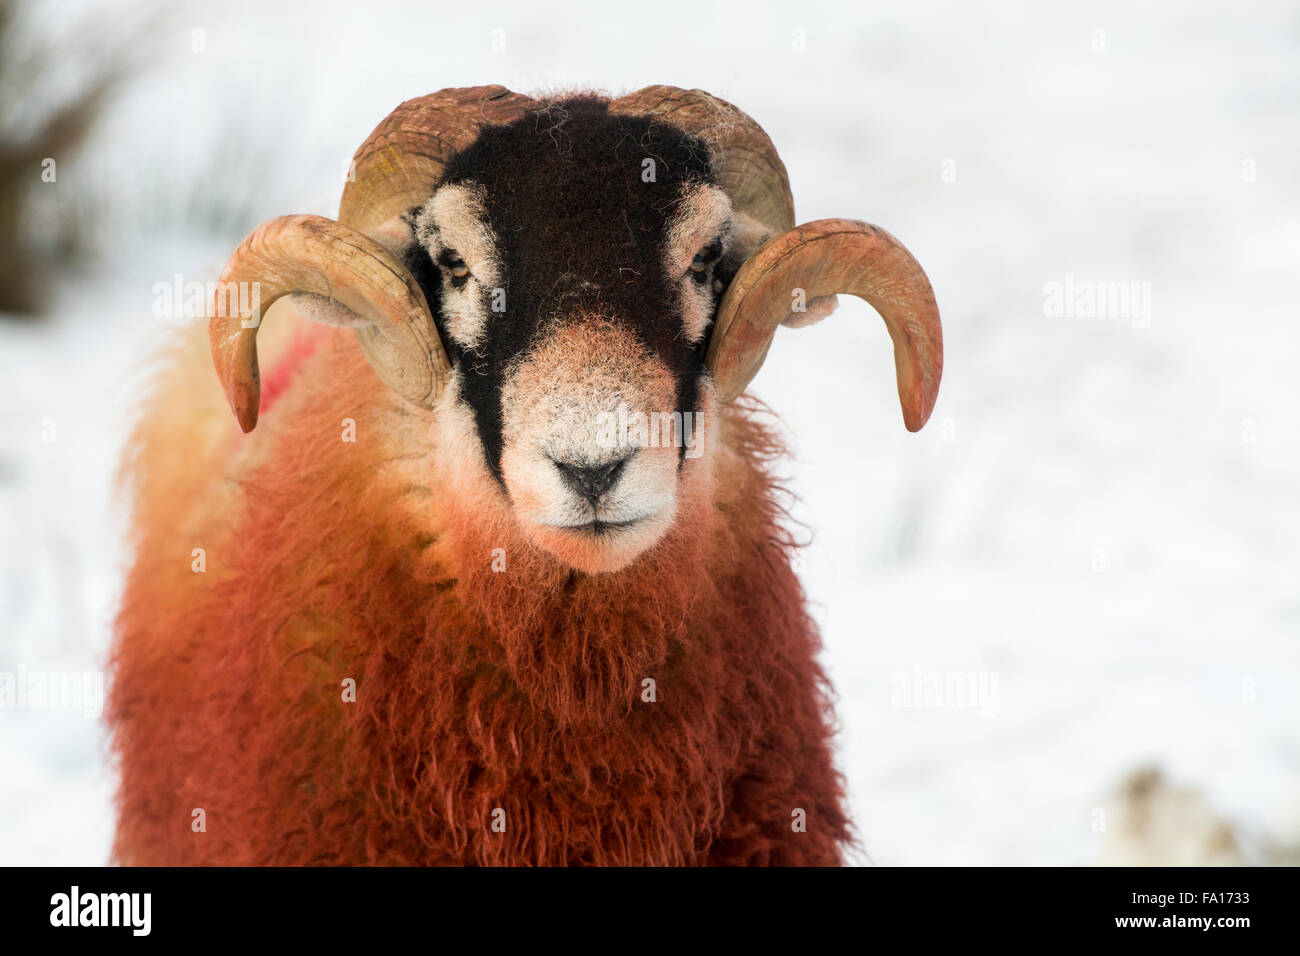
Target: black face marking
x=579, y=201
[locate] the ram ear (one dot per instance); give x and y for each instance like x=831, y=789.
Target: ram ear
x=327, y=311
x=810, y=312
x=397, y=235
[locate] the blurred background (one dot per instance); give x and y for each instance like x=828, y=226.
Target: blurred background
x=1062, y=621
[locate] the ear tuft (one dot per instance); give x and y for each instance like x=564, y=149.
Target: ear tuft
x=816, y=309
x=326, y=311
x=395, y=235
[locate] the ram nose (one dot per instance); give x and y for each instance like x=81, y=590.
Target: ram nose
x=591, y=481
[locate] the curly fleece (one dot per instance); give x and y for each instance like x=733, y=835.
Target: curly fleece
x=499, y=715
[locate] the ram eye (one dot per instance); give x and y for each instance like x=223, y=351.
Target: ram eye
x=705, y=259
x=455, y=266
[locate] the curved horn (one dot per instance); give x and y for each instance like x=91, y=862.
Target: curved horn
x=744, y=159
x=402, y=160
x=373, y=292
x=824, y=258
x=345, y=275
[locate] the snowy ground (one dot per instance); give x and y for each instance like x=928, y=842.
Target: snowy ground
x=1097, y=533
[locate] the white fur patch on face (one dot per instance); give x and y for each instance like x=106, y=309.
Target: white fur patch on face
x=704, y=216
x=454, y=223
x=576, y=400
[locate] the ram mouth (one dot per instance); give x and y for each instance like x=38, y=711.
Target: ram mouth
x=599, y=528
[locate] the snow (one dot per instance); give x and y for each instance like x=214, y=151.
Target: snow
x=1097, y=532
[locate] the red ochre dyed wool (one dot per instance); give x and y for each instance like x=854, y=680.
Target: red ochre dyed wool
x=507, y=709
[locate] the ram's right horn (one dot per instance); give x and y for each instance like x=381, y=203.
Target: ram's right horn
x=367, y=288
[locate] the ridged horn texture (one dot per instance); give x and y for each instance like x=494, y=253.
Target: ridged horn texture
x=396, y=169
x=828, y=257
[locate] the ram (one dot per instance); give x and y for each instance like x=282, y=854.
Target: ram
x=446, y=604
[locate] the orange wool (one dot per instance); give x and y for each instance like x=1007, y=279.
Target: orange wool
x=501, y=711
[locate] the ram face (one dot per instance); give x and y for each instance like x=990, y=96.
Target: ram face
x=572, y=288
x=571, y=260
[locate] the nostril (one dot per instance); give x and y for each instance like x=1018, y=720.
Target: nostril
x=591, y=481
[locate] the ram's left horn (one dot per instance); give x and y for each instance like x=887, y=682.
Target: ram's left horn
x=824, y=258
x=368, y=289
